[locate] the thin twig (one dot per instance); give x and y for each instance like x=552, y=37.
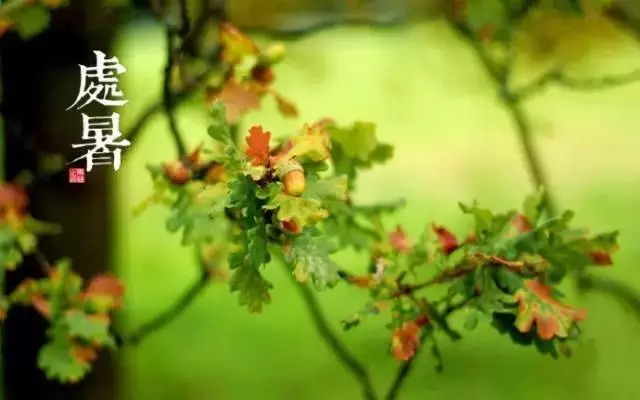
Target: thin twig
x=599, y=83
x=511, y=101
x=188, y=90
x=472, y=262
x=168, y=102
x=624, y=18
x=184, y=18
x=587, y=84
x=170, y=314
x=619, y=290
x=336, y=346
x=500, y=77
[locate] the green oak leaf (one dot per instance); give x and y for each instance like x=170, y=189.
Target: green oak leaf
x=330, y=188
x=219, y=128
x=356, y=147
x=302, y=210
x=253, y=288
x=357, y=142
x=309, y=256
x=59, y=362
x=92, y=328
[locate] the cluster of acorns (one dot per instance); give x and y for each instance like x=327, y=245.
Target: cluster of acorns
x=192, y=167
x=180, y=172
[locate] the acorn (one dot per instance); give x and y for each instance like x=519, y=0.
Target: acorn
x=293, y=178
x=177, y=172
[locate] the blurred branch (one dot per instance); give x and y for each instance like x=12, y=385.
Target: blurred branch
x=170, y=314
x=184, y=19
x=330, y=338
x=168, y=101
x=188, y=90
x=210, y=9
x=559, y=78
x=624, y=19
x=619, y=290
x=327, y=23
x=512, y=100
x=500, y=74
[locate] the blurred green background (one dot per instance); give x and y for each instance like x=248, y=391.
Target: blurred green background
x=454, y=142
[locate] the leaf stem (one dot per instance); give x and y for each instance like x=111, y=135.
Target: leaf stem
x=336, y=346
x=624, y=18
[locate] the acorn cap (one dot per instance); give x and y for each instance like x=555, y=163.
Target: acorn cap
x=288, y=166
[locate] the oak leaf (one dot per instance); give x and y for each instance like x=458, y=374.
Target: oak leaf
x=447, y=240
x=106, y=287
x=235, y=44
x=405, y=341
x=399, y=240
x=238, y=99
x=286, y=107
x=537, y=306
x=258, y=150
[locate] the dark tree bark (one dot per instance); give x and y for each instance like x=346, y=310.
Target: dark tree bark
x=40, y=79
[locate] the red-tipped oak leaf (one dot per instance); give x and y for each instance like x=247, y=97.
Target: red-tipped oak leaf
x=235, y=44
x=177, y=172
x=521, y=223
x=601, y=258
x=106, y=286
x=447, y=240
x=399, y=240
x=537, y=306
x=13, y=198
x=42, y=305
x=82, y=353
x=194, y=157
x=405, y=341
x=312, y=145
